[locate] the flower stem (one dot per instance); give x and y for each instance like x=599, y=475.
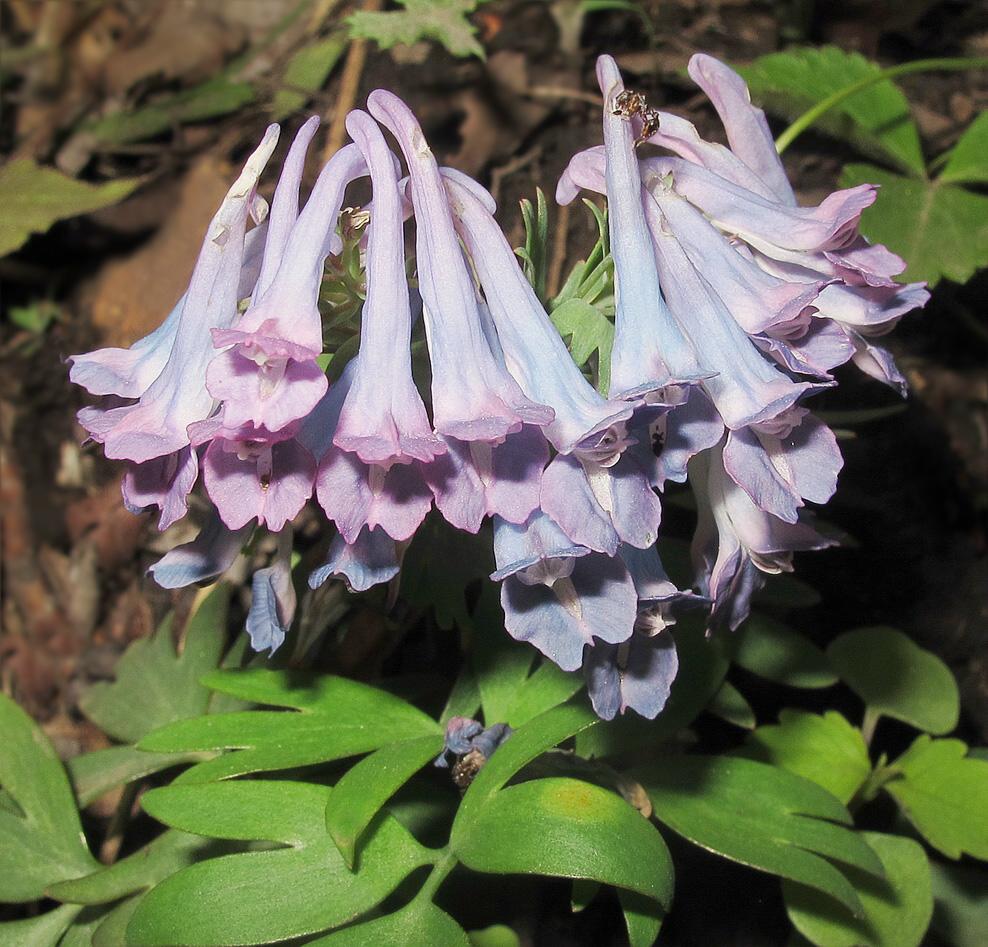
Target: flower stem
x=832, y=101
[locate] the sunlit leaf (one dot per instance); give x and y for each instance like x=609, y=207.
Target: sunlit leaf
x=444, y=21
x=968, y=160
x=260, y=896
x=897, y=908
x=824, y=749
x=45, y=930
x=334, y=718
x=421, y=922
x=34, y=197
x=877, y=119
x=942, y=791
x=939, y=229
x=306, y=72
x=586, y=330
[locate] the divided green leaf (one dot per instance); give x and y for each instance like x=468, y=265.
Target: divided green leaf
x=943, y=792
x=729, y=704
x=960, y=908
x=877, y=119
x=261, y=896
x=45, y=930
x=333, y=718
x=897, y=908
x=34, y=197
x=368, y=785
x=896, y=677
x=306, y=72
x=420, y=922
x=967, y=162
x=940, y=229
x=42, y=836
x=444, y=21
x=96, y=773
x=154, y=685
x=826, y=750
x=761, y=816
x=587, y=330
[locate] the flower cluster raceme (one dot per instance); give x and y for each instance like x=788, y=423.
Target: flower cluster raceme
x=733, y=305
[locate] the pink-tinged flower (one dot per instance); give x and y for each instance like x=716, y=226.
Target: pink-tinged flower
x=533, y=350
x=383, y=419
x=269, y=377
x=559, y=596
x=474, y=398
x=252, y=473
x=736, y=542
x=165, y=483
x=273, y=599
x=155, y=425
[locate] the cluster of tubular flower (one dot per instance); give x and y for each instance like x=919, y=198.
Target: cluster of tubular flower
x=733, y=304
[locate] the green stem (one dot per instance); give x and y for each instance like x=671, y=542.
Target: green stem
x=832, y=101
x=445, y=863
x=868, y=724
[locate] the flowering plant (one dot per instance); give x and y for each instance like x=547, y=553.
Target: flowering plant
x=733, y=307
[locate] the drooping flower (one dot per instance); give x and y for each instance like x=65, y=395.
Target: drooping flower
x=473, y=397
x=156, y=424
x=557, y=595
x=273, y=599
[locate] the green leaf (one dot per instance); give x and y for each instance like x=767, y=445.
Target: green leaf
x=464, y=698
x=960, y=908
x=776, y=652
x=587, y=330
x=34, y=197
x=497, y=935
x=306, y=72
x=729, y=704
x=45, y=930
x=153, y=685
x=760, y=816
x=95, y=773
x=367, y=786
x=42, y=841
x=535, y=253
x=897, y=909
x=445, y=21
x=877, y=119
x=939, y=229
x=213, y=98
x=261, y=896
x=36, y=317
x=826, y=750
x=897, y=678
x=160, y=858
x=439, y=567
x=335, y=718
x=421, y=922
x=967, y=162
x=942, y=791
x=548, y=687
x=500, y=663
x=786, y=591
x=643, y=918
x=524, y=745
x=569, y=829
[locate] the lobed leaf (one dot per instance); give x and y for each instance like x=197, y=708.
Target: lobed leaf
x=34, y=197
x=42, y=840
x=444, y=21
x=967, y=162
x=306, y=72
x=897, y=908
x=760, y=816
x=729, y=704
x=45, y=930
x=420, y=922
x=262, y=896
x=943, y=792
x=896, y=677
x=938, y=228
x=825, y=749
x=876, y=119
